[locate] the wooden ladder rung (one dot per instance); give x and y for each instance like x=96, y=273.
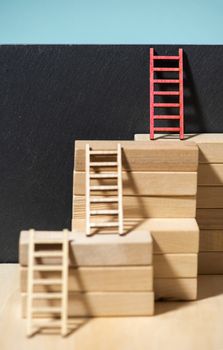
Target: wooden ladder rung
x=94, y=164
x=48, y=241
x=47, y=268
x=48, y=253
x=166, y=129
x=166, y=57
x=167, y=117
x=103, y=188
x=48, y=295
x=52, y=309
x=167, y=93
x=104, y=212
x=166, y=69
x=104, y=176
x=47, y=281
x=104, y=200
x=103, y=152
x=166, y=81
x=166, y=105
x=104, y=224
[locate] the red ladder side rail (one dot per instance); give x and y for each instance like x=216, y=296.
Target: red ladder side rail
x=181, y=88
x=151, y=94
x=179, y=92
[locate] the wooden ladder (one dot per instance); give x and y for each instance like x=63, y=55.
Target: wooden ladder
x=61, y=253
x=176, y=67
x=96, y=168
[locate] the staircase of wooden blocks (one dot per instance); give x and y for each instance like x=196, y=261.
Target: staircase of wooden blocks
x=159, y=196
x=210, y=202
x=209, y=199
x=109, y=275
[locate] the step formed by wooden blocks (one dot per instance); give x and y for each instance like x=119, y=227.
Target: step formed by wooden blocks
x=175, y=288
x=140, y=183
x=211, y=240
x=210, y=145
x=210, y=219
x=144, y=156
x=175, y=265
x=102, y=304
x=210, y=197
x=96, y=279
x=169, y=235
x=210, y=174
x=134, y=248
x=210, y=263
x=172, y=235
x=143, y=206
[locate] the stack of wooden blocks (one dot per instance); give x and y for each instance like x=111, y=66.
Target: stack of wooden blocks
x=109, y=275
x=159, y=196
x=209, y=198
x=210, y=202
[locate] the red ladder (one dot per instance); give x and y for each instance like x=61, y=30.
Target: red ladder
x=179, y=92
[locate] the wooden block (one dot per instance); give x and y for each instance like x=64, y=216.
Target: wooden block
x=175, y=288
x=210, y=197
x=175, y=265
x=210, y=145
x=210, y=263
x=145, y=183
x=143, y=207
x=210, y=174
x=135, y=248
x=103, y=304
x=97, y=279
x=210, y=219
x=169, y=235
x=144, y=156
x=211, y=240
x=173, y=235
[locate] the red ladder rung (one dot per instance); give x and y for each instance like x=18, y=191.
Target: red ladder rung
x=166, y=129
x=165, y=81
x=169, y=69
x=166, y=117
x=167, y=93
x=166, y=105
x=166, y=57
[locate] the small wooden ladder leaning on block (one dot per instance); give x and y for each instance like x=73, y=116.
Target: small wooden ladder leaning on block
x=176, y=92
x=33, y=281
x=97, y=163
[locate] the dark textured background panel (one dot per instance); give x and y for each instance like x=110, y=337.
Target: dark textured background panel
x=52, y=95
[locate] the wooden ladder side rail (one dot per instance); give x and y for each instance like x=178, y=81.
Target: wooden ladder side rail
x=64, y=305
x=87, y=189
x=120, y=205
x=181, y=93
x=151, y=70
x=30, y=283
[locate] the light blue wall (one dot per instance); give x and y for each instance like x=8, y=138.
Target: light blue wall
x=111, y=22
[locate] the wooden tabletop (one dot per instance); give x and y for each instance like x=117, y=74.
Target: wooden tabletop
x=176, y=325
